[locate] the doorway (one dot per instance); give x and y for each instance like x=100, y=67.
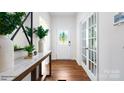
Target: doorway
x=63, y=37
x=63, y=44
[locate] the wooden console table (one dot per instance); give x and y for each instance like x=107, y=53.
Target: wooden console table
x=23, y=67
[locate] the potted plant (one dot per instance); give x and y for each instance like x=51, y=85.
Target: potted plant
x=29, y=49
x=9, y=21
x=41, y=33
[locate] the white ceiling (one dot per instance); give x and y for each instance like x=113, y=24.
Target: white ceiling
x=62, y=13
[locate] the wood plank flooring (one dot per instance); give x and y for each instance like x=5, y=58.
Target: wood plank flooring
x=67, y=71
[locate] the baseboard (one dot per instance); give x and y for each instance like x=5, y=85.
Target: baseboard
x=92, y=78
x=78, y=62
x=63, y=60
x=66, y=60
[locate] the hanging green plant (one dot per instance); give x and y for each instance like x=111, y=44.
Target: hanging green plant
x=9, y=21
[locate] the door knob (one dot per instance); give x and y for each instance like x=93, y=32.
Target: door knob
x=69, y=42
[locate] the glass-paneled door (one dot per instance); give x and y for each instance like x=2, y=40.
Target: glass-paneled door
x=84, y=44
x=92, y=43
x=89, y=44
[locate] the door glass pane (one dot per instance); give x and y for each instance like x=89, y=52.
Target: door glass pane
x=89, y=22
x=90, y=43
x=94, y=43
x=93, y=69
x=84, y=60
x=94, y=57
x=84, y=52
x=90, y=33
x=94, y=31
x=90, y=65
x=90, y=55
x=92, y=20
x=63, y=37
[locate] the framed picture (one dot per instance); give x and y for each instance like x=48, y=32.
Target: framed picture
x=119, y=18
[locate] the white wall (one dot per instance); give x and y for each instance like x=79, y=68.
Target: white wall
x=43, y=18
x=111, y=46
x=60, y=22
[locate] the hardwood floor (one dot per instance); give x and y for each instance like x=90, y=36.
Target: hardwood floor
x=67, y=71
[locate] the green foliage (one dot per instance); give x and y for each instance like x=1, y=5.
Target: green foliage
x=28, y=31
x=9, y=21
x=29, y=48
x=16, y=47
x=41, y=32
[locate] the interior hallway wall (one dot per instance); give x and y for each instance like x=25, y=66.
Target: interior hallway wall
x=111, y=48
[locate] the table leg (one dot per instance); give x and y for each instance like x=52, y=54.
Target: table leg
x=34, y=75
x=50, y=65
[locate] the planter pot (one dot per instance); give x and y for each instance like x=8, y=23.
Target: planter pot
x=6, y=54
x=41, y=45
x=30, y=55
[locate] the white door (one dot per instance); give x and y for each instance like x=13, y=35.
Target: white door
x=63, y=44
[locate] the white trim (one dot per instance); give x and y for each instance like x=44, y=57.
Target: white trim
x=91, y=76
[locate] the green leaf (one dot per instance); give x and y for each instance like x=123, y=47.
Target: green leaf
x=9, y=21
x=41, y=32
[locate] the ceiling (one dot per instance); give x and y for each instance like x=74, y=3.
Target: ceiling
x=62, y=13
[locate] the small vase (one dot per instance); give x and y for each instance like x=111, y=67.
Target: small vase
x=6, y=54
x=41, y=47
x=30, y=54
